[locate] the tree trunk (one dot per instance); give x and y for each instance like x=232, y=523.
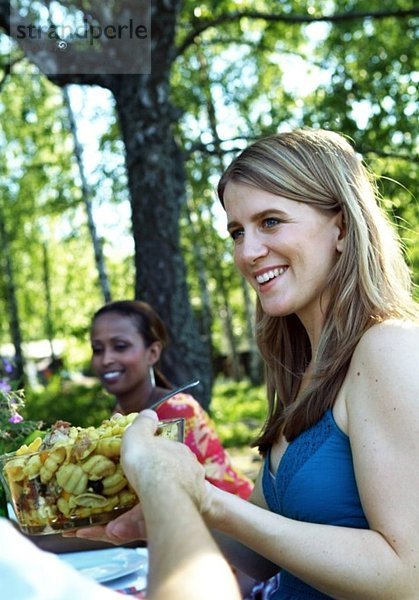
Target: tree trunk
x=48, y=304
x=157, y=185
x=12, y=305
x=157, y=190
x=87, y=195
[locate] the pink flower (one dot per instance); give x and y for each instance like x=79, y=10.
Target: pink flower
x=16, y=419
x=4, y=386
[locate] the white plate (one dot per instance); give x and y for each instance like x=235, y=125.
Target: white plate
x=107, y=564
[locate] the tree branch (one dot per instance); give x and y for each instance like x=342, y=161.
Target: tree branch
x=366, y=151
x=210, y=149
x=7, y=70
x=5, y=15
x=205, y=24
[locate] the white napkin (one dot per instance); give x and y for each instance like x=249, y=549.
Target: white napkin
x=27, y=573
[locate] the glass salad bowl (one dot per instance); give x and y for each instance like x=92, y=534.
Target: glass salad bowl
x=73, y=478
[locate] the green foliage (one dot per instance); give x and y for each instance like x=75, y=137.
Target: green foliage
x=13, y=433
x=356, y=75
x=236, y=80
x=63, y=400
x=14, y=430
x=40, y=204
x=238, y=410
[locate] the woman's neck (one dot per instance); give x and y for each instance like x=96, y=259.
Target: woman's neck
x=140, y=398
x=305, y=380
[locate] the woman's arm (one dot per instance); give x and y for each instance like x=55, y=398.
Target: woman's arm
x=383, y=414
x=131, y=526
x=184, y=561
x=241, y=556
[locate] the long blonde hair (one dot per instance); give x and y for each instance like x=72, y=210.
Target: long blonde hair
x=369, y=283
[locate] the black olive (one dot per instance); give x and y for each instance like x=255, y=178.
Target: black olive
x=39, y=487
x=95, y=486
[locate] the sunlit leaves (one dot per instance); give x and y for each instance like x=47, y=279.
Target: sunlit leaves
x=356, y=76
x=236, y=76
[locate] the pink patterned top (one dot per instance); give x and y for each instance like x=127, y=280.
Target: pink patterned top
x=201, y=438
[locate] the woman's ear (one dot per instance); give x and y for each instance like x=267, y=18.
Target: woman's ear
x=154, y=352
x=340, y=224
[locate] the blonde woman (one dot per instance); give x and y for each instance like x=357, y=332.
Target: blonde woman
x=335, y=505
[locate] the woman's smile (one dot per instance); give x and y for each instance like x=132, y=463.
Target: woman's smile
x=269, y=276
x=120, y=356
x=285, y=249
x=111, y=376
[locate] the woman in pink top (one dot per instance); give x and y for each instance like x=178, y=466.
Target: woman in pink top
x=127, y=339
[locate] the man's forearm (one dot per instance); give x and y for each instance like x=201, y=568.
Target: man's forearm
x=184, y=557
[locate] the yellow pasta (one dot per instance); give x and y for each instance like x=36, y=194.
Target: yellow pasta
x=84, y=444
x=72, y=478
x=63, y=506
x=32, y=466
x=111, y=504
x=46, y=512
x=15, y=469
x=33, y=447
x=110, y=447
x=114, y=483
x=53, y=461
x=127, y=498
x=98, y=466
x=90, y=500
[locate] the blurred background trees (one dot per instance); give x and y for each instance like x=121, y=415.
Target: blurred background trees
x=223, y=74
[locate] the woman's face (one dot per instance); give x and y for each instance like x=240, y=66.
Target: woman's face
x=285, y=249
x=119, y=356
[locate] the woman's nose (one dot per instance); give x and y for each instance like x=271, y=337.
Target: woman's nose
x=107, y=356
x=252, y=248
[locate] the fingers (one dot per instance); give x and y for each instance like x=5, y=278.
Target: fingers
x=144, y=426
x=125, y=531
x=96, y=533
x=127, y=527
x=145, y=417
x=148, y=414
x=69, y=533
x=137, y=437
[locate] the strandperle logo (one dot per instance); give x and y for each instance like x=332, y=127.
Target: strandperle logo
x=87, y=31
x=89, y=37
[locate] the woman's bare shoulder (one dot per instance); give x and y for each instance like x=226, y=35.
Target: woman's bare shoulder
x=388, y=341
x=385, y=365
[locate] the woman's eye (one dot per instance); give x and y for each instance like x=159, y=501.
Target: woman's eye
x=120, y=347
x=270, y=222
x=236, y=233
x=96, y=351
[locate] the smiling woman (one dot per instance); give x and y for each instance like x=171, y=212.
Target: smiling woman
x=127, y=339
x=276, y=245
x=337, y=328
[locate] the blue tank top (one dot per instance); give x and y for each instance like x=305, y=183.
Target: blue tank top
x=315, y=482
